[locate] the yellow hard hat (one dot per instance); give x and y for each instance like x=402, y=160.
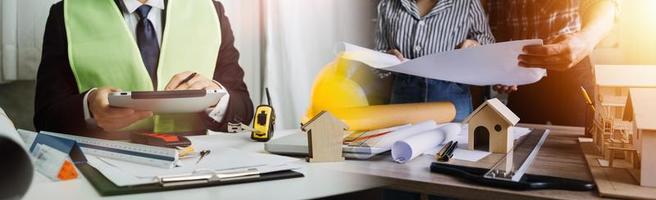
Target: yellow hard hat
x=357, y=95
x=345, y=84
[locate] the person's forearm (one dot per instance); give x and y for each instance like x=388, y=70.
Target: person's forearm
x=598, y=21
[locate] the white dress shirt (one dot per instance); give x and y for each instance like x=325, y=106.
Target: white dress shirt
x=155, y=16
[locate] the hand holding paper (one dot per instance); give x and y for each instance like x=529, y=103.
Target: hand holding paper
x=482, y=65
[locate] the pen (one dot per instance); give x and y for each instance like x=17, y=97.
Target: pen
x=192, y=75
x=203, y=153
x=449, y=153
x=441, y=154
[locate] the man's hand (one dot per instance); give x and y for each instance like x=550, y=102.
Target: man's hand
x=559, y=54
x=505, y=89
x=198, y=82
x=468, y=43
x=396, y=53
x=110, y=118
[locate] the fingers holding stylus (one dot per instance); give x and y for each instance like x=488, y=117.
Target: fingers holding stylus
x=190, y=81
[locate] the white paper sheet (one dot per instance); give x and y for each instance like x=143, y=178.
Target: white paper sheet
x=409, y=148
x=482, y=65
x=462, y=153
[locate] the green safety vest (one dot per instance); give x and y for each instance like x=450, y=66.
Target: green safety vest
x=103, y=52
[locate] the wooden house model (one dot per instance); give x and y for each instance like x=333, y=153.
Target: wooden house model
x=491, y=127
x=325, y=137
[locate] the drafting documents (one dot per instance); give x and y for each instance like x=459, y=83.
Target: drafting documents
x=409, y=148
x=482, y=65
x=124, y=173
x=137, y=153
x=402, y=133
x=462, y=153
x=14, y=182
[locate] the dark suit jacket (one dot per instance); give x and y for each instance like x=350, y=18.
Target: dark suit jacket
x=58, y=102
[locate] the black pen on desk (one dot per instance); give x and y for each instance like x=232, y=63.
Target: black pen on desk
x=191, y=76
x=449, y=153
x=441, y=154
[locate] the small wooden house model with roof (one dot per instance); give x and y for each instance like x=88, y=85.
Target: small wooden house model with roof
x=325, y=137
x=491, y=127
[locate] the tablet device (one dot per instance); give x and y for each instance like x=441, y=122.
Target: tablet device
x=177, y=101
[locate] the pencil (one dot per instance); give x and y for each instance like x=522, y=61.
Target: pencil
x=588, y=101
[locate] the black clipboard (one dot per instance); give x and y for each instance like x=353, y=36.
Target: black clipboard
x=105, y=187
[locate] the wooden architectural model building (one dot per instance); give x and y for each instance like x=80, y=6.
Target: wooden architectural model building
x=325, y=137
x=491, y=127
x=641, y=111
x=620, y=152
x=611, y=91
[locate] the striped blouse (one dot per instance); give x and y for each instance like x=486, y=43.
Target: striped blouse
x=448, y=24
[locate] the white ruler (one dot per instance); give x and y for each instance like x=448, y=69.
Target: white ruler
x=137, y=153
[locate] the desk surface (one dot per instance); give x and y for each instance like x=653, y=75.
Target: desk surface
x=319, y=181
x=560, y=156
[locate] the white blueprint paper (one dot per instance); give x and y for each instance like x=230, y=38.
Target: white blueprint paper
x=402, y=133
x=409, y=148
x=482, y=65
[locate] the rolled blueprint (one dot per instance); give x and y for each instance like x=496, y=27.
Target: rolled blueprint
x=16, y=164
x=384, y=116
x=402, y=133
x=411, y=147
